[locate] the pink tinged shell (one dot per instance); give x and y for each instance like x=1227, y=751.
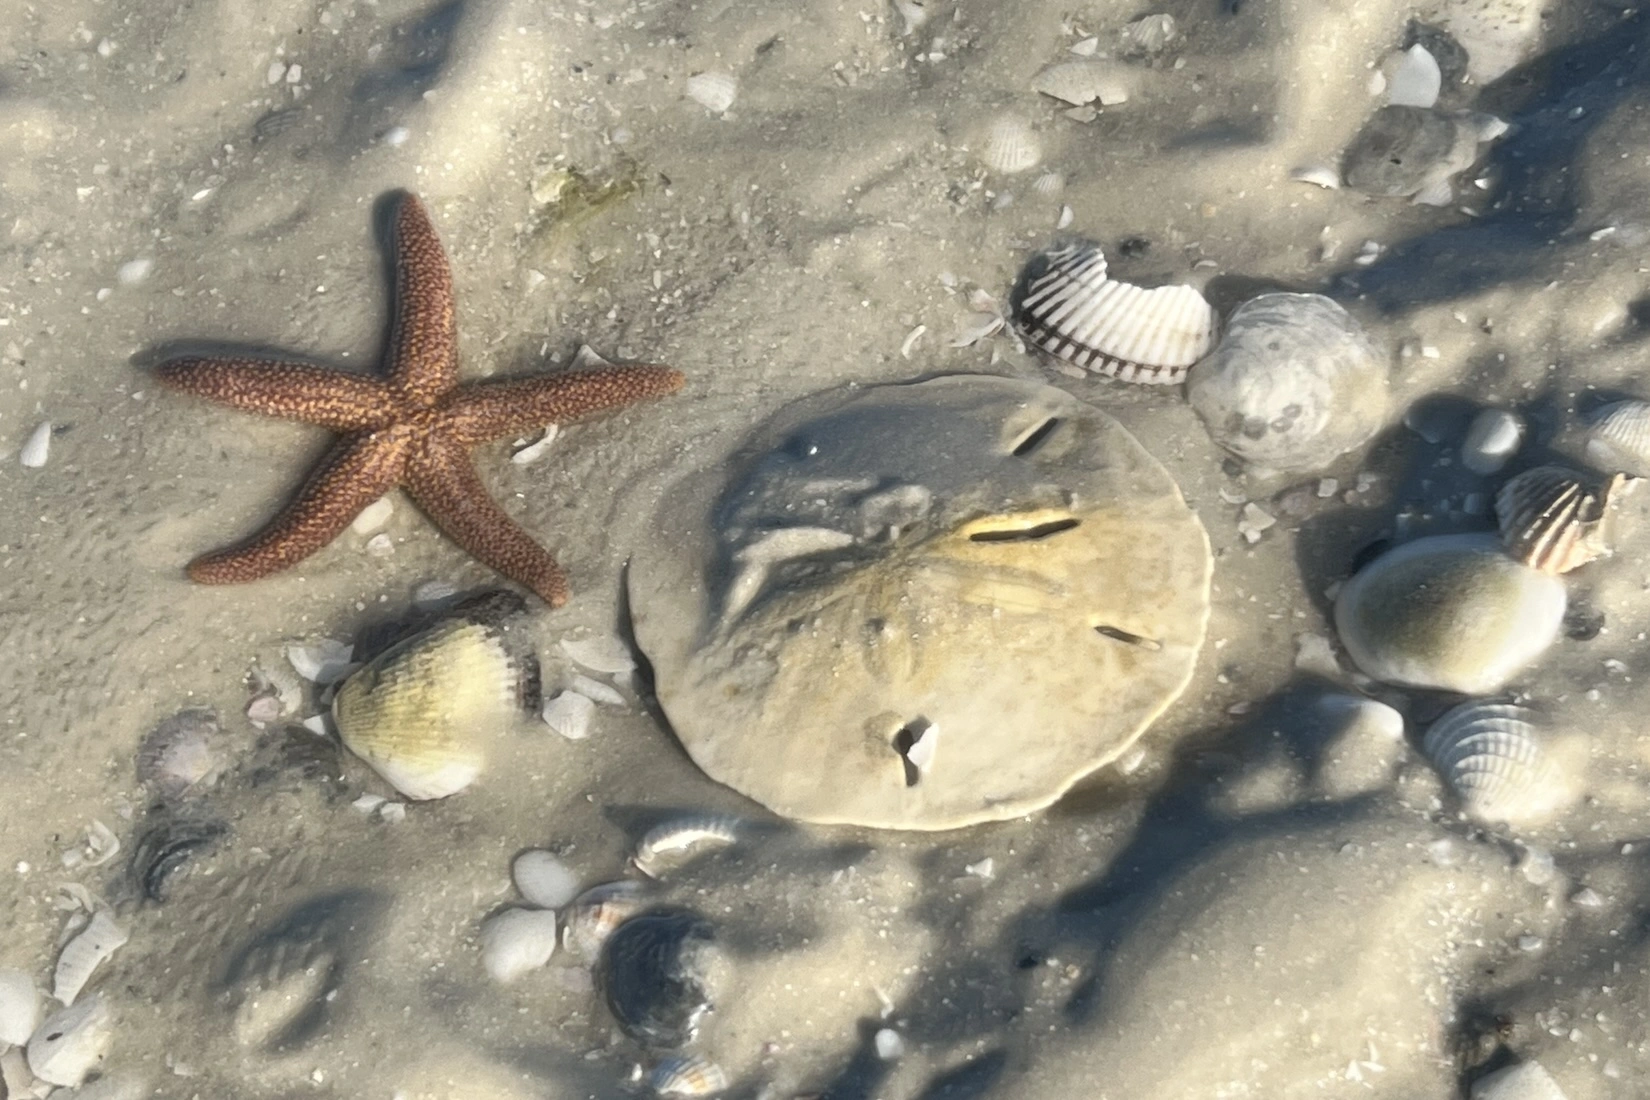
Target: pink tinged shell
x=688, y=1075
x=1554, y=519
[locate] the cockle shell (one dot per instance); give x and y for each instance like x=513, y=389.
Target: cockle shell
x=1065, y=304
x=1453, y=612
x=423, y=712
x=1491, y=756
x=1010, y=145
x=687, y=1075
x=1554, y=519
x=658, y=972
x=181, y=752
x=1294, y=383
x=1619, y=438
x=594, y=915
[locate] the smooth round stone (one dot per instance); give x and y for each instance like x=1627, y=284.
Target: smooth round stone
x=1293, y=384
x=921, y=606
x=1452, y=611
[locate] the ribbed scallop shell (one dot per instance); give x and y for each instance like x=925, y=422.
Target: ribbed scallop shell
x=1011, y=146
x=1066, y=305
x=1619, y=437
x=687, y=1075
x=1491, y=757
x=1554, y=519
x=423, y=711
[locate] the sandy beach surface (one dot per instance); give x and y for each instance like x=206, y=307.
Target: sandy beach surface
x=1267, y=900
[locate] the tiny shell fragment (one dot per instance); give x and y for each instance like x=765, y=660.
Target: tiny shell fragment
x=19, y=1007
x=1085, y=81
x=714, y=91
x=34, y=452
x=83, y=954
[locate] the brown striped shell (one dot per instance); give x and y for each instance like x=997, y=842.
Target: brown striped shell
x=1555, y=519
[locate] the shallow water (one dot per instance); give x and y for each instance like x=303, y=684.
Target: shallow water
x=1244, y=913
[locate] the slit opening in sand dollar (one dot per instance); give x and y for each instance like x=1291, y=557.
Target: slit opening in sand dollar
x=1117, y=634
x=1033, y=439
x=1030, y=532
x=915, y=743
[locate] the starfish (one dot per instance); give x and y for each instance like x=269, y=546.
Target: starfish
x=413, y=427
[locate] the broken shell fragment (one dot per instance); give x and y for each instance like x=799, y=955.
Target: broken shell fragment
x=1066, y=305
x=1524, y=1081
x=1011, y=146
x=680, y=836
x=1088, y=80
x=1491, y=756
x=70, y=1044
x=1450, y=611
x=1554, y=519
x=594, y=915
x=1492, y=439
x=423, y=712
x=19, y=1007
x=714, y=91
x=80, y=956
x=180, y=753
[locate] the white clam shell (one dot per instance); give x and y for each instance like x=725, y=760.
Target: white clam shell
x=1525, y=1081
x=687, y=1075
x=1618, y=438
x=602, y=653
x=1492, y=757
x=70, y=1044
x=1011, y=146
x=569, y=714
x=714, y=91
x=543, y=879
x=19, y=1007
x=516, y=941
x=85, y=953
x=1086, y=81
x=1065, y=303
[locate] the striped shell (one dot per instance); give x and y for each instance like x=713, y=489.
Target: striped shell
x=591, y=917
x=1066, y=305
x=1491, y=756
x=688, y=1075
x=422, y=712
x=1554, y=519
x=1619, y=437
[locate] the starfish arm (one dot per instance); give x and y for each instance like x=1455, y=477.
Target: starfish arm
x=356, y=472
x=442, y=481
x=290, y=391
x=490, y=410
x=423, y=350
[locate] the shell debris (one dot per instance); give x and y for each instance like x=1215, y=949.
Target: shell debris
x=594, y=915
x=681, y=835
x=85, y=953
x=569, y=713
x=19, y=1007
x=37, y=447
x=70, y=1044
x=687, y=1075
x=1554, y=519
x=1011, y=146
x=1091, y=80
x=714, y=91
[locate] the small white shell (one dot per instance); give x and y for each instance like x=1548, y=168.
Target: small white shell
x=681, y=835
x=19, y=1007
x=602, y=653
x=1619, y=438
x=71, y=1043
x=594, y=914
x=1322, y=175
x=1525, y=1081
x=890, y=1047
x=596, y=691
x=1064, y=303
x=1413, y=78
x=543, y=879
x=1085, y=81
x=687, y=1075
x=35, y=449
x=516, y=941
x=322, y=661
x=569, y=714
x=714, y=91
x=1491, y=756
x=1011, y=146
x=1493, y=437
x=1048, y=184
x=80, y=956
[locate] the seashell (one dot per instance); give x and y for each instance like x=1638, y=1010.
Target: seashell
x=1064, y=303
x=569, y=714
x=1451, y=611
x=1011, y=146
x=1149, y=35
x=687, y=1075
x=543, y=879
x=516, y=941
x=1618, y=439
x=602, y=653
x=70, y=1044
x=714, y=91
x=1554, y=519
x=1491, y=757
x=1086, y=81
x=1048, y=184
x=165, y=848
x=1403, y=151
x=323, y=661
x=679, y=836
x=1492, y=439
x=593, y=916
x=180, y=753
x=1294, y=384
x=656, y=973
x=37, y=447
x=1413, y=78
x=85, y=953
x=19, y=1007
x=596, y=691
x=422, y=712
x=1524, y=1081
x=889, y=1044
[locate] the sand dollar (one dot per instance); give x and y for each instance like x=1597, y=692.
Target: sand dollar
x=922, y=606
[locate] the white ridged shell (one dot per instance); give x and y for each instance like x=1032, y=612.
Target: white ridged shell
x=516, y=941
x=1525, y=1081
x=70, y=1044
x=714, y=91
x=1011, y=146
x=1619, y=438
x=687, y=1075
x=1085, y=81
x=80, y=956
x=594, y=914
x=1065, y=304
x=19, y=1007
x=1554, y=519
x=1491, y=756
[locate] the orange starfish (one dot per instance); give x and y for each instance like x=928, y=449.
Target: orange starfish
x=413, y=428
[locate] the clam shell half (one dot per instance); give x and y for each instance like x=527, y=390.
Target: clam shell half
x=1554, y=519
x=1491, y=756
